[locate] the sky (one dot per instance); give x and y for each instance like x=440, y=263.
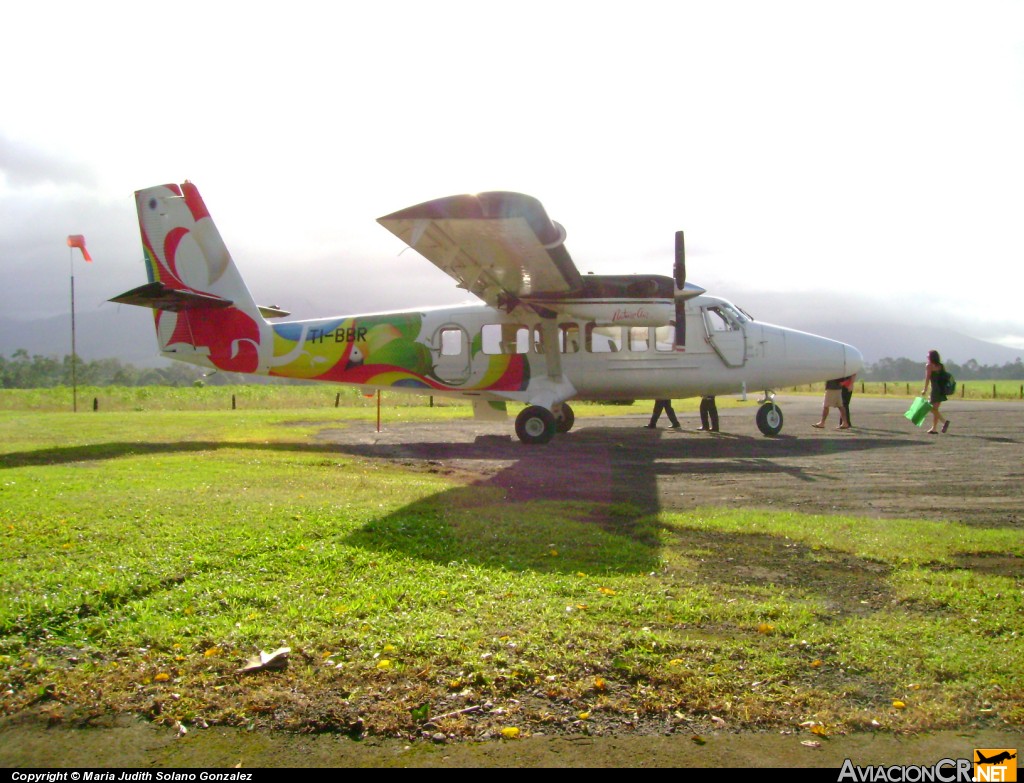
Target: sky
x=865, y=161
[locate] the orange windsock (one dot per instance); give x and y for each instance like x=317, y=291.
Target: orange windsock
x=77, y=240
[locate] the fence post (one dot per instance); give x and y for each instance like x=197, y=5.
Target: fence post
x=993, y=391
x=885, y=388
x=95, y=403
x=337, y=399
x=232, y=402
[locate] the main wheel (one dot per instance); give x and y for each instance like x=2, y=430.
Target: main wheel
x=769, y=419
x=565, y=420
x=535, y=424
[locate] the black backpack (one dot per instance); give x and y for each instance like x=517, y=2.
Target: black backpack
x=946, y=383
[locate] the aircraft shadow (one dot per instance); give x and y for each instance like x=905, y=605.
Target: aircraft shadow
x=587, y=501
x=62, y=455
x=594, y=491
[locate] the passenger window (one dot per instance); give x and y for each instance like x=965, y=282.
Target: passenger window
x=639, y=338
x=604, y=339
x=504, y=338
x=569, y=338
x=452, y=342
x=663, y=338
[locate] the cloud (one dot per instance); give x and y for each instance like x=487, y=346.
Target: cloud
x=25, y=166
x=34, y=226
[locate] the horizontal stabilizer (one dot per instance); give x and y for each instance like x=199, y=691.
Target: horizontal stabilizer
x=160, y=297
x=273, y=311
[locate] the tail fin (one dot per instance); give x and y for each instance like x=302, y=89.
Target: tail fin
x=204, y=312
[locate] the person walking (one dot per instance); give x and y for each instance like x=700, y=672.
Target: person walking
x=846, y=392
x=663, y=405
x=833, y=399
x=935, y=375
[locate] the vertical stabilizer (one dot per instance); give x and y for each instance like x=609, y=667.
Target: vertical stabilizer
x=204, y=312
x=184, y=249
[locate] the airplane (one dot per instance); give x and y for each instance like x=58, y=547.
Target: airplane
x=996, y=759
x=543, y=334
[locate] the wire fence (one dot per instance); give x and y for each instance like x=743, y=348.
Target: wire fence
x=965, y=390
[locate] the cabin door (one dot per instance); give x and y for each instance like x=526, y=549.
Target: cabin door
x=450, y=351
x=726, y=335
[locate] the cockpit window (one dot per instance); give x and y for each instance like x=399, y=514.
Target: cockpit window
x=725, y=317
x=717, y=320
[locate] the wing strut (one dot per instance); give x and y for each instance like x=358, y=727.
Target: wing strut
x=552, y=350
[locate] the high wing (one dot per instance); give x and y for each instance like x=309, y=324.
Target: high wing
x=500, y=246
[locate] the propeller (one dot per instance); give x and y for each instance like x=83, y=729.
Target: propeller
x=679, y=270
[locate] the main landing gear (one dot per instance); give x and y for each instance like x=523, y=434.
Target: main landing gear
x=536, y=424
x=564, y=418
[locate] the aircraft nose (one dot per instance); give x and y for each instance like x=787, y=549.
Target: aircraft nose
x=854, y=359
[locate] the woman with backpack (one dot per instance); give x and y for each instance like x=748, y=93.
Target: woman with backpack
x=936, y=375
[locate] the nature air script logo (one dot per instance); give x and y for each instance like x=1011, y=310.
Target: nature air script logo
x=989, y=764
x=995, y=764
x=629, y=315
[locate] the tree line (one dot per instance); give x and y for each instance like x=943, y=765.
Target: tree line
x=908, y=370
x=22, y=371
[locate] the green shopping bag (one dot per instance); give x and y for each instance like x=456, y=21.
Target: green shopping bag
x=919, y=408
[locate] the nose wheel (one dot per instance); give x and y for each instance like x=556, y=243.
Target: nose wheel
x=769, y=419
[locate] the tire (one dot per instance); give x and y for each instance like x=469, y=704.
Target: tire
x=769, y=419
x=535, y=425
x=564, y=422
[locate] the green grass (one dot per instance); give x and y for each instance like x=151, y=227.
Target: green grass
x=213, y=398
x=344, y=401
x=348, y=403
x=146, y=556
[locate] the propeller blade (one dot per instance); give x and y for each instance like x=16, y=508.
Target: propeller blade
x=679, y=270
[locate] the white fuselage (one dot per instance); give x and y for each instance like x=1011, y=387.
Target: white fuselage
x=721, y=351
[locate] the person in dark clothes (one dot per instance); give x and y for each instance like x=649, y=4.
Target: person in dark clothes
x=708, y=413
x=847, y=394
x=663, y=405
x=934, y=374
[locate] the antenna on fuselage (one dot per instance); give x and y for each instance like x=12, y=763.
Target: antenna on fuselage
x=679, y=269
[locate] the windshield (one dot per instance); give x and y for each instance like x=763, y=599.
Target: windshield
x=724, y=317
x=735, y=313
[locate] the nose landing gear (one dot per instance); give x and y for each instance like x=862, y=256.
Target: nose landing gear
x=769, y=417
